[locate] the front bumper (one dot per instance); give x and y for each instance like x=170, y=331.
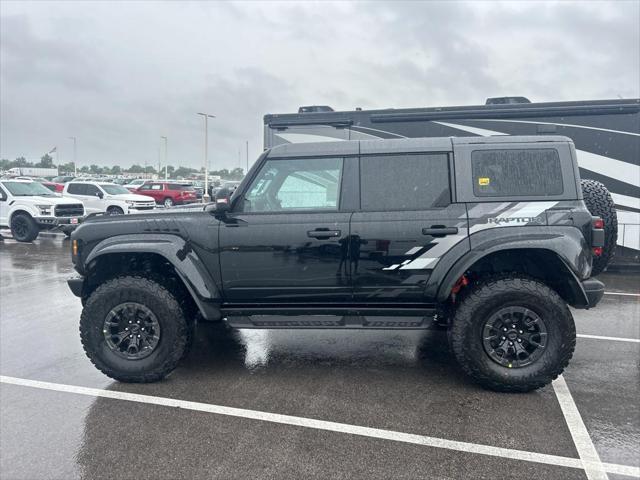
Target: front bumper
x=53, y=222
x=594, y=289
x=75, y=284
x=133, y=210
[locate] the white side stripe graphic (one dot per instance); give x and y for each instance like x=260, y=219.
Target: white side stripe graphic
x=559, y=124
x=475, y=130
x=420, y=263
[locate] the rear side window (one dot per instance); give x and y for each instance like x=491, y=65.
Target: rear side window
x=516, y=173
x=178, y=186
x=404, y=182
x=76, y=189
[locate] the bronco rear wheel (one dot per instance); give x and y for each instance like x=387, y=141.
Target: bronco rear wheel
x=512, y=333
x=134, y=330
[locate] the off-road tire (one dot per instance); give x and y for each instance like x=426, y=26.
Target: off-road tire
x=115, y=211
x=490, y=295
x=175, y=334
x=24, y=228
x=599, y=202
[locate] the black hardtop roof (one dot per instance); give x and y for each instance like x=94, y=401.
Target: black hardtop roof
x=400, y=145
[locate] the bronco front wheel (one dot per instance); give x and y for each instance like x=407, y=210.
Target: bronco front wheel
x=512, y=333
x=134, y=330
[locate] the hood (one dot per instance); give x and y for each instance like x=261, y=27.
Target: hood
x=53, y=200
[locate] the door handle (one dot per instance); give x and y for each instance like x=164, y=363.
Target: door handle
x=439, y=231
x=323, y=234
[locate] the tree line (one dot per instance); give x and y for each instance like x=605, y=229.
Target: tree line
x=47, y=162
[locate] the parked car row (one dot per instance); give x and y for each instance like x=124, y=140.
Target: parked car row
x=30, y=205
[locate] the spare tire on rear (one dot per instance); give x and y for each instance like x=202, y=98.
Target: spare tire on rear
x=600, y=204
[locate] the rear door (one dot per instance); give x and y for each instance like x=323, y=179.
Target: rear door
x=407, y=222
x=288, y=237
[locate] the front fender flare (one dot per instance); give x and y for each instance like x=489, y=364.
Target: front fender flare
x=177, y=251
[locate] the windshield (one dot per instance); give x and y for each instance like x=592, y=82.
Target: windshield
x=26, y=189
x=115, y=189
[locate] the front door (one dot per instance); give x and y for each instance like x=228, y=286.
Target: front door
x=406, y=223
x=287, y=240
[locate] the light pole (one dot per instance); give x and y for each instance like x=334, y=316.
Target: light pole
x=247, y=170
x=205, y=195
x=166, y=163
x=75, y=152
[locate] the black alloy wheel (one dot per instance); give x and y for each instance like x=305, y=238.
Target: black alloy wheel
x=20, y=226
x=24, y=228
x=514, y=337
x=131, y=331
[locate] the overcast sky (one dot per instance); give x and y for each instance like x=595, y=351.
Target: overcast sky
x=118, y=75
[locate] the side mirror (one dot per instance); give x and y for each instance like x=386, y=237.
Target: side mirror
x=223, y=202
x=100, y=195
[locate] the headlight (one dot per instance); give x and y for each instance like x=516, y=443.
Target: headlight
x=131, y=203
x=44, y=209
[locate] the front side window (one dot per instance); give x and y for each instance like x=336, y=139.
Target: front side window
x=404, y=182
x=156, y=186
x=92, y=190
x=295, y=185
x=516, y=173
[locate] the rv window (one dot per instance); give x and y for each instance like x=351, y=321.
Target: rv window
x=516, y=173
x=404, y=182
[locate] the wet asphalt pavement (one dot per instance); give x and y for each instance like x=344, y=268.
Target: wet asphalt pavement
x=397, y=381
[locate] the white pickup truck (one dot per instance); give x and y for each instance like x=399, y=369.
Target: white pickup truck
x=108, y=198
x=28, y=207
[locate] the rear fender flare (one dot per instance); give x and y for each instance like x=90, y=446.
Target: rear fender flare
x=565, y=242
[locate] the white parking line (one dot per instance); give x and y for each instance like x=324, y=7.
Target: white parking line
x=586, y=449
x=615, y=339
x=326, y=425
x=623, y=294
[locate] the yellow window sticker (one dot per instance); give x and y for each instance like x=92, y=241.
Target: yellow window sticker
x=484, y=181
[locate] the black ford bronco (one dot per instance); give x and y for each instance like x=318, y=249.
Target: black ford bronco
x=490, y=238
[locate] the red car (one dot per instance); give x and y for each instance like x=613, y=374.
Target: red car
x=53, y=186
x=168, y=193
